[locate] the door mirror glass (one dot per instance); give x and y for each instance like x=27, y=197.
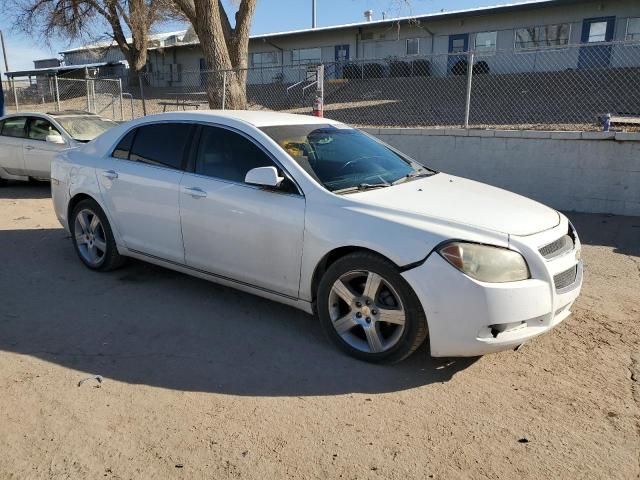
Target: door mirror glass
x=263, y=176
x=55, y=138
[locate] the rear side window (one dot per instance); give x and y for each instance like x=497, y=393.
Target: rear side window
x=14, y=127
x=161, y=144
x=228, y=155
x=122, y=150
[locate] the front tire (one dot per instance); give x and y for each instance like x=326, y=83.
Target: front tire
x=92, y=237
x=368, y=309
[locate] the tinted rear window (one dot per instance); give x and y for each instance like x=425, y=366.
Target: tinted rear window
x=122, y=150
x=161, y=144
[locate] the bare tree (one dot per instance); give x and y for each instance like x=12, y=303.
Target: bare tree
x=80, y=18
x=224, y=47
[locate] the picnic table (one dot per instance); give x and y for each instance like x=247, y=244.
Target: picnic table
x=184, y=100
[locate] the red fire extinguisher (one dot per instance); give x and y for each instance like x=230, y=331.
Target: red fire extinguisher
x=317, y=107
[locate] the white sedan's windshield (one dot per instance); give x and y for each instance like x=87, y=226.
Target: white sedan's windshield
x=85, y=128
x=343, y=158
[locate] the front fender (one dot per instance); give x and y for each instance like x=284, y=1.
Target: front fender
x=406, y=240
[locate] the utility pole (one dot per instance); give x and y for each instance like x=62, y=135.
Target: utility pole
x=313, y=13
x=4, y=52
x=6, y=67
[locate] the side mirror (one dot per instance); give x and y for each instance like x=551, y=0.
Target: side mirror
x=55, y=139
x=264, y=176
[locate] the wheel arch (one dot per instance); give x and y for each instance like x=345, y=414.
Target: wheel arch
x=330, y=258
x=77, y=198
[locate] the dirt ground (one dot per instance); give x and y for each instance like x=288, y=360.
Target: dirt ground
x=201, y=381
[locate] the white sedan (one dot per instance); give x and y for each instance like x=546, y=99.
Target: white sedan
x=321, y=216
x=29, y=141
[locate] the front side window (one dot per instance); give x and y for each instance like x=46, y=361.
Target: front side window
x=542, y=36
x=342, y=158
x=161, y=144
x=413, y=46
x=633, y=29
x=14, y=127
x=486, y=42
x=228, y=155
x=39, y=128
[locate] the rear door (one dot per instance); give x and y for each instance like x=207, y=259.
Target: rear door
x=12, y=136
x=596, y=49
x=37, y=151
x=140, y=184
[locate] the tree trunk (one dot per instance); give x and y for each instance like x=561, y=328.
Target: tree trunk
x=224, y=49
x=137, y=62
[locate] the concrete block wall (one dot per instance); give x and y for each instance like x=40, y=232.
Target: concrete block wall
x=595, y=172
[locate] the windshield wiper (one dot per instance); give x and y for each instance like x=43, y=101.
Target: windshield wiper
x=361, y=187
x=412, y=175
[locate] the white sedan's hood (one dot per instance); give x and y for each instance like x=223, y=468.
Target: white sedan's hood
x=466, y=202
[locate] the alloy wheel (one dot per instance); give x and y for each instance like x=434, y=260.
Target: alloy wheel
x=366, y=311
x=90, y=237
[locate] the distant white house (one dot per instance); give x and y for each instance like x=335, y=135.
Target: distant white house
x=538, y=32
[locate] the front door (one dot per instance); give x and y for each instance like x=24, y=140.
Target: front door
x=596, y=51
x=140, y=184
x=458, y=48
x=237, y=231
x=341, y=57
x=37, y=151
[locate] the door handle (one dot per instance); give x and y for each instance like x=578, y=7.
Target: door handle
x=110, y=174
x=195, y=192
x=28, y=147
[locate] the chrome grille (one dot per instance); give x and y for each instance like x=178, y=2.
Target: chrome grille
x=558, y=247
x=566, y=278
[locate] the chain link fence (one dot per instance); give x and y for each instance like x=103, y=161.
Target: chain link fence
x=102, y=96
x=562, y=88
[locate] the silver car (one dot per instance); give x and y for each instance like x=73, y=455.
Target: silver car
x=28, y=141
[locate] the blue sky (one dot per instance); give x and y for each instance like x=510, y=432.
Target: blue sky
x=271, y=16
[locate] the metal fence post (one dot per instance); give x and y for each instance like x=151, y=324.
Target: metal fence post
x=55, y=81
x=15, y=93
x=467, y=108
x=144, y=103
x=224, y=89
x=121, y=104
x=86, y=84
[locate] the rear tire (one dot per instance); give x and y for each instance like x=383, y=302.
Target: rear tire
x=369, y=310
x=92, y=237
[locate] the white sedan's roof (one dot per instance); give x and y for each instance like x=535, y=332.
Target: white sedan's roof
x=253, y=117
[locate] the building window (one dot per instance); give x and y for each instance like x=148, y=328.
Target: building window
x=413, y=46
x=597, y=32
x=633, y=29
x=263, y=59
x=544, y=36
x=306, y=55
x=486, y=42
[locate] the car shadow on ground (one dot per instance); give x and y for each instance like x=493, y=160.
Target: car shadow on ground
x=25, y=190
x=148, y=325
x=616, y=231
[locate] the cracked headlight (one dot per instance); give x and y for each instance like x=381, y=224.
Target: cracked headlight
x=485, y=263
